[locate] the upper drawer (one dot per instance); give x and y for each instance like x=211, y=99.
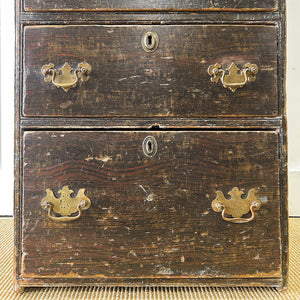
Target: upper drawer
x=172, y=81
x=130, y=5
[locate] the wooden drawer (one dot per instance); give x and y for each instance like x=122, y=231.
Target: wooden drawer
x=171, y=5
x=151, y=217
x=173, y=81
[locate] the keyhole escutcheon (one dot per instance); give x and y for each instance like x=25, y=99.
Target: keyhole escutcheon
x=150, y=41
x=150, y=146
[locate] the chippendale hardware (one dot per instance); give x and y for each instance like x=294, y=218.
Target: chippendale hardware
x=65, y=78
x=65, y=205
x=150, y=41
x=233, y=78
x=236, y=206
x=150, y=146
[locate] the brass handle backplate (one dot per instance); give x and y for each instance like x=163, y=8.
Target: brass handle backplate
x=66, y=78
x=236, y=206
x=65, y=206
x=233, y=77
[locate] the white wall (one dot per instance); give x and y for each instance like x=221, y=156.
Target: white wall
x=7, y=107
x=7, y=96
x=293, y=104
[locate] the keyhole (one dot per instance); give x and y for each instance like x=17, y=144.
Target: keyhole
x=149, y=145
x=149, y=40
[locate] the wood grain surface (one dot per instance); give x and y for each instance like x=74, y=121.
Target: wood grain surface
x=170, y=5
x=71, y=139
x=173, y=81
x=173, y=234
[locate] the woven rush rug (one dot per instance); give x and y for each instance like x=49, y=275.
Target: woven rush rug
x=106, y=293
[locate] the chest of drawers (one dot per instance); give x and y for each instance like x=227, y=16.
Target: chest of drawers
x=150, y=143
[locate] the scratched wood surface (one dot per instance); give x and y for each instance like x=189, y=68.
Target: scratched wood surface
x=150, y=217
x=171, y=5
x=49, y=254
x=171, y=82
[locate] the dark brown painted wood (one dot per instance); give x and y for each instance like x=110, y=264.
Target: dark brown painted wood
x=17, y=153
x=152, y=123
x=160, y=16
x=171, y=82
x=175, y=234
x=155, y=283
x=171, y=5
x=143, y=17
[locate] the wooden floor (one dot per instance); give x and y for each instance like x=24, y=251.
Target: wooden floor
x=6, y=280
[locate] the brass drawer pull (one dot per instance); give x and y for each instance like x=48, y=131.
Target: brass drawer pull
x=64, y=78
x=233, y=78
x=150, y=41
x=65, y=205
x=236, y=206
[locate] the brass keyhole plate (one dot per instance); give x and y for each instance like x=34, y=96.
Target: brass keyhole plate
x=150, y=41
x=150, y=146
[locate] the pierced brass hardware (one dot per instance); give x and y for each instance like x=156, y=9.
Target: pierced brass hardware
x=64, y=78
x=233, y=78
x=150, y=146
x=65, y=205
x=150, y=41
x=236, y=206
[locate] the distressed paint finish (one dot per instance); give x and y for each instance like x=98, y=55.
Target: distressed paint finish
x=171, y=5
x=150, y=217
x=171, y=82
x=253, y=12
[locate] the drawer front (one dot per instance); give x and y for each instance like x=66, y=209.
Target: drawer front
x=150, y=212
x=171, y=5
x=172, y=81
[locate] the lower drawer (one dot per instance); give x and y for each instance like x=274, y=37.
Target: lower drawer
x=150, y=207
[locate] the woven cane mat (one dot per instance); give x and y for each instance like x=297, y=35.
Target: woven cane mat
x=6, y=280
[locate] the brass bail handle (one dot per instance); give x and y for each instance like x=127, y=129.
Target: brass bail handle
x=233, y=77
x=65, y=206
x=66, y=78
x=236, y=206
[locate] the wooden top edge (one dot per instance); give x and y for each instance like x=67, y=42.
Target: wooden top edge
x=156, y=10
